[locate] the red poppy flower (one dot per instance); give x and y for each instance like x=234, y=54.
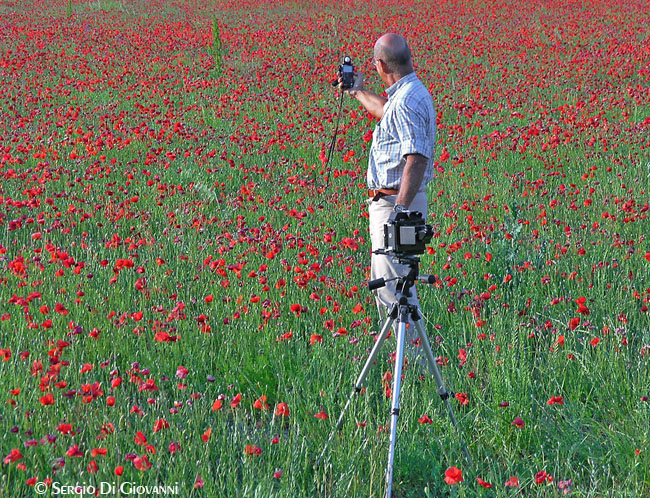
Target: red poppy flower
x=261, y=404
x=453, y=475
x=13, y=456
x=251, y=449
x=484, y=483
x=518, y=422
x=160, y=424
x=140, y=439
x=142, y=463
x=282, y=410
x=65, y=428
x=73, y=451
x=425, y=419
x=512, y=482
x=234, y=403
x=462, y=398
x=542, y=476
x=47, y=399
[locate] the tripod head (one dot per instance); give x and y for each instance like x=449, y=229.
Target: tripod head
x=407, y=281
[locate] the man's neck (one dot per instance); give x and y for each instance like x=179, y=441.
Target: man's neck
x=393, y=78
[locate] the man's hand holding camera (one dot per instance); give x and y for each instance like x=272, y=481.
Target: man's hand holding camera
x=357, y=86
x=352, y=83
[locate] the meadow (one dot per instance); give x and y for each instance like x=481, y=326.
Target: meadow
x=183, y=294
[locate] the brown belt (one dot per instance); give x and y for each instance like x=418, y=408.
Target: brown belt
x=381, y=192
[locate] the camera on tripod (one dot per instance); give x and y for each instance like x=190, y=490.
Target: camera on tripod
x=406, y=233
x=346, y=74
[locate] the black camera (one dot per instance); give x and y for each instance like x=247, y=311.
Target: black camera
x=346, y=73
x=406, y=233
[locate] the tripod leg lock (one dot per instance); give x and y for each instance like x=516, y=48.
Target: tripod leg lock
x=445, y=395
x=395, y=412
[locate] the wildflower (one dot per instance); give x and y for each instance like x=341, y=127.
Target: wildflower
x=47, y=399
x=160, y=424
x=425, y=419
x=513, y=482
x=142, y=463
x=565, y=487
x=484, y=483
x=542, y=476
x=73, y=451
x=518, y=422
x=251, y=449
x=282, y=410
x=261, y=404
x=13, y=456
x=453, y=475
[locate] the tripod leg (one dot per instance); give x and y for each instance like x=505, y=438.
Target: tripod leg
x=442, y=390
x=362, y=376
x=368, y=365
x=397, y=381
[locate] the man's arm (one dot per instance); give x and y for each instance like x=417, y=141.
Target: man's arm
x=412, y=177
x=373, y=103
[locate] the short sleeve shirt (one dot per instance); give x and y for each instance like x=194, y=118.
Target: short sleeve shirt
x=408, y=126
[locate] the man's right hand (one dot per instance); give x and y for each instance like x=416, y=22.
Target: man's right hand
x=357, y=86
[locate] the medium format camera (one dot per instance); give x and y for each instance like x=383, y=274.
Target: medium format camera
x=406, y=233
x=346, y=73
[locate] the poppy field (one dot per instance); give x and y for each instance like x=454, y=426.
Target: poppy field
x=183, y=300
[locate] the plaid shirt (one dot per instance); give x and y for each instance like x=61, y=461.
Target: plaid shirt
x=408, y=126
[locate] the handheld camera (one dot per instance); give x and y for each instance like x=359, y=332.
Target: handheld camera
x=346, y=74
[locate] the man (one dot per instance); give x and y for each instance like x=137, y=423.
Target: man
x=401, y=155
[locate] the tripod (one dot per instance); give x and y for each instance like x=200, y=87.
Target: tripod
x=401, y=311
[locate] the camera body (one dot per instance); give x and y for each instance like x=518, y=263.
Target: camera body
x=346, y=73
x=406, y=233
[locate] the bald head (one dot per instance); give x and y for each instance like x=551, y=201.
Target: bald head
x=394, y=51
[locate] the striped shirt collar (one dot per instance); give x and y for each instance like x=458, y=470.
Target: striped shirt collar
x=391, y=90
